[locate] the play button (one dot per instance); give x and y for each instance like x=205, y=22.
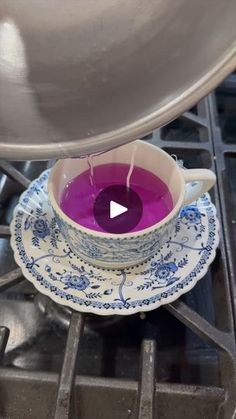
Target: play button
x=117, y=209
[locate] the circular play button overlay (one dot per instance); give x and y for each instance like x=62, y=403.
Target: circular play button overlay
x=117, y=209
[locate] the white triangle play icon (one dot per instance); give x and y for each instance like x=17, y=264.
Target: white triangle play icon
x=116, y=209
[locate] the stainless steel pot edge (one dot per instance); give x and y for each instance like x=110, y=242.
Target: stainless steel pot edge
x=133, y=131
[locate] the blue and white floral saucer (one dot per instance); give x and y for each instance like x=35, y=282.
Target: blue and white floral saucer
x=47, y=261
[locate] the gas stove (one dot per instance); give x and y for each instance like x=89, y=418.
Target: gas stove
x=174, y=362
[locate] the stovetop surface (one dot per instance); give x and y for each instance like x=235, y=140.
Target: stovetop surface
x=190, y=340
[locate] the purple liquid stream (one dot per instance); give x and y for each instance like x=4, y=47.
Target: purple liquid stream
x=79, y=194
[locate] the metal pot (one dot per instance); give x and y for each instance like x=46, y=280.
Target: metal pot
x=82, y=76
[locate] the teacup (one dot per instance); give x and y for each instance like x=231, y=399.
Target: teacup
x=118, y=251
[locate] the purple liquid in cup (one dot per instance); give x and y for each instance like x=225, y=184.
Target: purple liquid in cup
x=79, y=194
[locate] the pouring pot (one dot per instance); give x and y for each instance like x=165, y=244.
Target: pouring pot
x=84, y=76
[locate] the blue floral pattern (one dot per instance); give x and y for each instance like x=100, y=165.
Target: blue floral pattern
x=114, y=251
x=49, y=263
x=191, y=217
x=191, y=214
x=165, y=270
x=78, y=282
x=41, y=228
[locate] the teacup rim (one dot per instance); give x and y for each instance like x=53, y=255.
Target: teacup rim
x=104, y=234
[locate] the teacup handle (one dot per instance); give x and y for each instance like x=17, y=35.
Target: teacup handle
x=204, y=179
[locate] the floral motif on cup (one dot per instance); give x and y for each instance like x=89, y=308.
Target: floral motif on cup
x=114, y=250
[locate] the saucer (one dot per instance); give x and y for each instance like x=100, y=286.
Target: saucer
x=48, y=262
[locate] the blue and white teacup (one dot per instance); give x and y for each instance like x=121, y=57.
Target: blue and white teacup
x=123, y=250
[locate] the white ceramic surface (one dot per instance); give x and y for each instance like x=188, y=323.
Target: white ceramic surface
x=123, y=250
